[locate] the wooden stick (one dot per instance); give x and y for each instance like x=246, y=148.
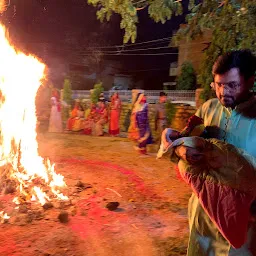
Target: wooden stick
x=114, y=191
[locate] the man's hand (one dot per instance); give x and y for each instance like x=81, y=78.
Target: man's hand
x=188, y=154
x=168, y=136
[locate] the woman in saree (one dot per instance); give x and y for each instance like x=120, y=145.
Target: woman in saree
x=139, y=129
x=102, y=119
x=72, y=118
x=79, y=120
x=55, y=122
x=115, y=109
x=89, y=123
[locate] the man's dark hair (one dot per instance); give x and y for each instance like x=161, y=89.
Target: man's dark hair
x=244, y=60
x=162, y=94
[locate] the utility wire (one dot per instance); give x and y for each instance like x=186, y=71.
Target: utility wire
x=135, y=50
x=130, y=45
x=121, y=50
x=141, y=54
x=134, y=54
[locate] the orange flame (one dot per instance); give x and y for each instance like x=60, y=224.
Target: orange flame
x=20, y=78
x=3, y=5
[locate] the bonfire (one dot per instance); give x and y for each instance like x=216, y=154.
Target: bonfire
x=23, y=173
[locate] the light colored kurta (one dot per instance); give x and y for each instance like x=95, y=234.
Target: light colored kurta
x=237, y=127
x=55, y=122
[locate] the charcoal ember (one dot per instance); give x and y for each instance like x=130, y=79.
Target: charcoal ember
x=22, y=198
x=81, y=185
x=63, y=217
x=111, y=206
x=4, y=221
x=36, y=214
x=23, y=208
x=48, y=206
x=62, y=204
x=10, y=188
x=21, y=219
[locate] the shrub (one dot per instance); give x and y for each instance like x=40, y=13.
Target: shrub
x=170, y=112
x=187, y=79
x=67, y=97
x=97, y=90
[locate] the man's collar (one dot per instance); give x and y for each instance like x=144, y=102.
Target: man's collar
x=244, y=104
x=247, y=108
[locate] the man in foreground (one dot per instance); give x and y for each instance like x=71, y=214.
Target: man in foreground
x=232, y=116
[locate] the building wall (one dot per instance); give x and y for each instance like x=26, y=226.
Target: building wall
x=192, y=50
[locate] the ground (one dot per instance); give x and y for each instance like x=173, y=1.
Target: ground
x=151, y=219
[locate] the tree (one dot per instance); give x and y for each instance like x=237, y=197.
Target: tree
x=187, y=79
x=67, y=91
x=159, y=10
x=232, y=23
x=233, y=27
x=67, y=97
x=97, y=90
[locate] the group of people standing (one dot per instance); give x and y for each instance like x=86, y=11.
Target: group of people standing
x=93, y=120
x=89, y=121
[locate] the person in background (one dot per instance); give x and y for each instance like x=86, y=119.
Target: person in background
x=55, y=122
x=72, y=118
x=139, y=129
x=160, y=115
x=89, y=123
x=102, y=97
x=115, y=110
x=102, y=118
x=79, y=120
x=220, y=215
x=87, y=110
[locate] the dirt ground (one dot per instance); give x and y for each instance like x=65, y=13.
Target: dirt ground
x=151, y=219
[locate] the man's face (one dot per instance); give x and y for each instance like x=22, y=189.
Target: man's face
x=230, y=87
x=163, y=99
x=143, y=100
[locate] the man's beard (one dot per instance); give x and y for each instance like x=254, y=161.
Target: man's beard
x=227, y=101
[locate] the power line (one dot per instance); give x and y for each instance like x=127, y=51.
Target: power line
x=143, y=54
x=130, y=45
x=133, y=50
x=122, y=50
x=134, y=54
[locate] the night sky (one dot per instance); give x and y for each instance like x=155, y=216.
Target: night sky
x=57, y=29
